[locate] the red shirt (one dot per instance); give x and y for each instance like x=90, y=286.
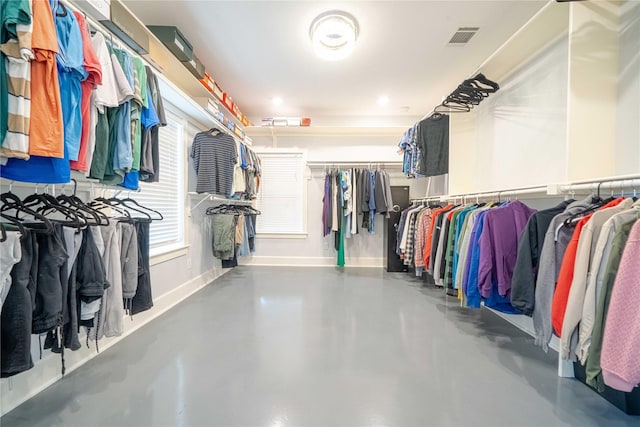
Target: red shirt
x=92, y=65
x=565, y=278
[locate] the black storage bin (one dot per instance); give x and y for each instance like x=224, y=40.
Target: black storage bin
x=174, y=41
x=629, y=403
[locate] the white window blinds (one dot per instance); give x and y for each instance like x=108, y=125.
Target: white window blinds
x=167, y=195
x=281, y=197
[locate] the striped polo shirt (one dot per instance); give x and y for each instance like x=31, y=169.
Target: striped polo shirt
x=214, y=156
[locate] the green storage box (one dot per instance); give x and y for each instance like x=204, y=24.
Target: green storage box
x=174, y=41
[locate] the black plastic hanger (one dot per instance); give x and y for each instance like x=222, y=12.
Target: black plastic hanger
x=142, y=209
x=64, y=10
x=12, y=202
x=46, y=204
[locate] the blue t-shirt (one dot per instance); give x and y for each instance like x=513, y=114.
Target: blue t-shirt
x=471, y=287
x=71, y=72
x=149, y=117
x=43, y=170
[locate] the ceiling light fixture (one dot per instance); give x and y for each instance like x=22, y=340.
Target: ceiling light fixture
x=333, y=34
x=277, y=100
x=383, y=100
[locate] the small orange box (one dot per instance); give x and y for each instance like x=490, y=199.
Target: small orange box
x=305, y=121
x=207, y=82
x=244, y=120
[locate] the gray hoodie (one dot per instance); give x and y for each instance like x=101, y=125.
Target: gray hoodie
x=550, y=262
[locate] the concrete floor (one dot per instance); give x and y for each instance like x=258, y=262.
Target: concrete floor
x=319, y=346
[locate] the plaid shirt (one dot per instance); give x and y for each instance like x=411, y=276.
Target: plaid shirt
x=421, y=237
x=408, y=254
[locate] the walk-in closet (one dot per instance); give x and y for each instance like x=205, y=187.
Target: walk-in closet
x=311, y=213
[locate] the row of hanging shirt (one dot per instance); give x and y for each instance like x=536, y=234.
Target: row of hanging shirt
x=573, y=267
x=225, y=166
x=76, y=102
x=66, y=264
x=349, y=192
x=233, y=232
x=425, y=147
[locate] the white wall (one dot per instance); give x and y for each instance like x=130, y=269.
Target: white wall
x=627, y=156
x=313, y=249
x=517, y=136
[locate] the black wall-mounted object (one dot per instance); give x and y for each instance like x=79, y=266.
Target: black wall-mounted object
x=392, y=261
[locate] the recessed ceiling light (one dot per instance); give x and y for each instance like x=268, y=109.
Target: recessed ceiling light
x=383, y=100
x=277, y=100
x=334, y=33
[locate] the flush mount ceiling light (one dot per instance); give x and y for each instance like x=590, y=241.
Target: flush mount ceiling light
x=383, y=100
x=333, y=34
x=276, y=100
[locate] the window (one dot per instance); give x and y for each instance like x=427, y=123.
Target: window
x=167, y=195
x=281, y=199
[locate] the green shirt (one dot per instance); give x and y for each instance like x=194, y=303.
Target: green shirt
x=12, y=13
x=593, y=369
x=448, y=260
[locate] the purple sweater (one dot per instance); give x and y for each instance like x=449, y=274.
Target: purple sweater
x=499, y=246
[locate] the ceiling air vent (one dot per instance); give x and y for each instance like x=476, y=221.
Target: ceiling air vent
x=462, y=36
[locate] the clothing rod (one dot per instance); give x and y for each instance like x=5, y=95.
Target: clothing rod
x=427, y=199
x=603, y=180
x=498, y=193
x=342, y=162
x=217, y=198
x=604, y=185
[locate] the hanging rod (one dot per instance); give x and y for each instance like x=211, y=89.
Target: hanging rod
x=217, y=198
x=498, y=193
x=427, y=199
x=347, y=163
x=633, y=181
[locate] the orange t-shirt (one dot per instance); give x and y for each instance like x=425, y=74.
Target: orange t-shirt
x=427, y=246
x=565, y=277
x=46, y=128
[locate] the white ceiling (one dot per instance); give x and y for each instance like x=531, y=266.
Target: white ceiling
x=260, y=49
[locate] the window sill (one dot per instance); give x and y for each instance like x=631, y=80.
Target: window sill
x=282, y=236
x=167, y=253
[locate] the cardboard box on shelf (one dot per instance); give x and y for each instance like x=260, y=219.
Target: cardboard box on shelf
x=245, y=120
x=208, y=104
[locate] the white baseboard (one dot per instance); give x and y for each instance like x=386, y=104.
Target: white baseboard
x=309, y=261
x=20, y=388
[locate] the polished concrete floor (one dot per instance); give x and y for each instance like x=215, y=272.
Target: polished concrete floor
x=319, y=347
